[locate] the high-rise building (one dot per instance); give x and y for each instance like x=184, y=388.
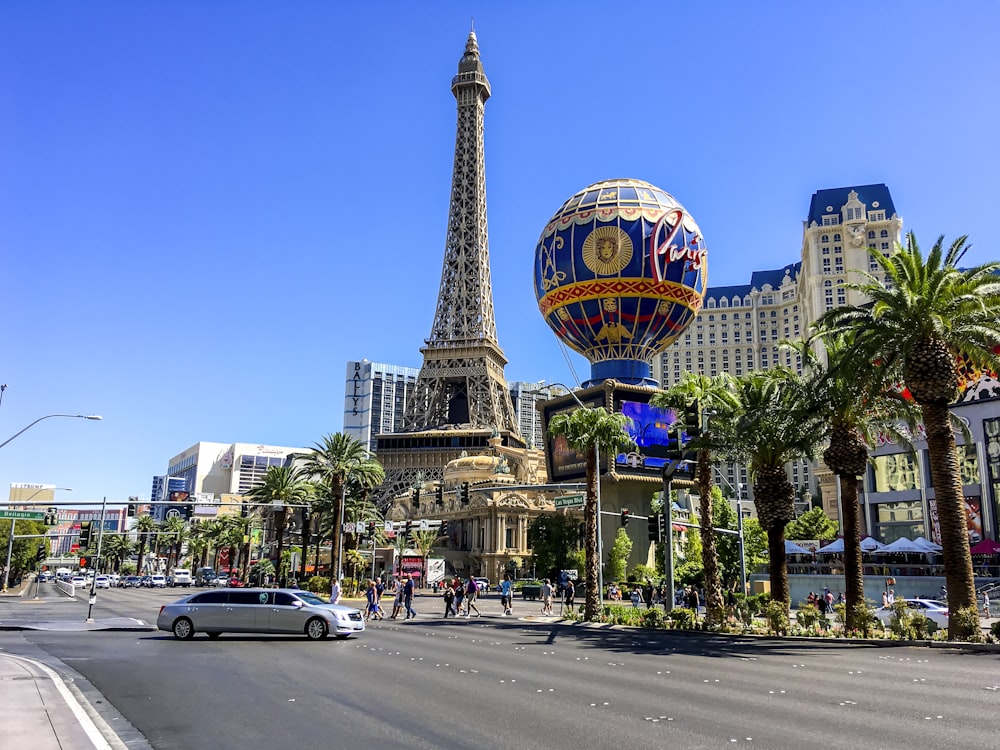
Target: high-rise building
x=375, y=399
x=460, y=398
x=740, y=327
x=526, y=397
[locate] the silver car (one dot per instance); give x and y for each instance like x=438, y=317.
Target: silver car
x=258, y=611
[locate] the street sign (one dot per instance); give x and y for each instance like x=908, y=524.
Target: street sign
x=23, y=515
x=569, y=501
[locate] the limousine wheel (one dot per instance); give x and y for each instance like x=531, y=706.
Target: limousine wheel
x=183, y=629
x=316, y=629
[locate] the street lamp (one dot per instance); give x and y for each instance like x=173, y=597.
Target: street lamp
x=738, y=490
x=10, y=541
x=49, y=416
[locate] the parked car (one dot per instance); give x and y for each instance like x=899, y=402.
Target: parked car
x=115, y=579
x=158, y=582
x=102, y=582
x=258, y=611
x=934, y=609
x=131, y=582
x=146, y=581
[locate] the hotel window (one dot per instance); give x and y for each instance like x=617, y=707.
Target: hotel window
x=876, y=216
x=837, y=248
x=895, y=472
x=884, y=233
x=841, y=298
x=829, y=221
x=871, y=234
x=885, y=245
x=826, y=251
x=825, y=238
x=826, y=265
x=838, y=263
x=836, y=238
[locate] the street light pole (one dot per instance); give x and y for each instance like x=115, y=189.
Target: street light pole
x=93, y=584
x=738, y=489
x=49, y=416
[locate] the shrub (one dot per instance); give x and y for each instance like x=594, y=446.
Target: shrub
x=967, y=619
x=901, y=620
x=808, y=614
x=318, y=585
x=776, y=614
x=923, y=626
x=683, y=618
x=995, y=630
x=652, y=618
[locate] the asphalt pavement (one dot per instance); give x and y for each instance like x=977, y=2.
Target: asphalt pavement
x=43, y=708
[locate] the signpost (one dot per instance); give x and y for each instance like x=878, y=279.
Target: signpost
x=569, y=501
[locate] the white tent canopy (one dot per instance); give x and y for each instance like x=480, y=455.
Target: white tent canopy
x=903, y=544
x=832, y=548
x=927, y=544
x=870, y=544
x=791, y=548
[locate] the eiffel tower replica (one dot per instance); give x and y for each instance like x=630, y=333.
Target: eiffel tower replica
x=461, y=399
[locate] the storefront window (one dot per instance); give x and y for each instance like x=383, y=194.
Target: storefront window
x=894, y=473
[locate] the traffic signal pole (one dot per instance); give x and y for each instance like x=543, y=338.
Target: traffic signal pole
x=93, y=584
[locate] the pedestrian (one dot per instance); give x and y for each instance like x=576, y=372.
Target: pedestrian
x=695, y=601
x=570, y=592
x=397, y=602
x=507, y=594
x=408, y=597
x=885, y=599
x=635, y=596
x=371, y=597
x=471, y=592
x=986, y=604
x=449, y=600
x=829, y=601
x=379, y=590
x=459, y=589
x=892, y=596
x=547, y=597
x=335, y=591
x=647, y=594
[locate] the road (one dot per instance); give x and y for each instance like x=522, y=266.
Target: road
x=496, y=682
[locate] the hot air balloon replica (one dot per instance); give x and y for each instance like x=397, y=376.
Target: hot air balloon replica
x=620, y=272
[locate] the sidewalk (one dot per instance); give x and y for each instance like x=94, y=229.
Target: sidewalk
x=40, y=712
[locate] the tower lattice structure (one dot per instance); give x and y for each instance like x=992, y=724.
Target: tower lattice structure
x=461, y=397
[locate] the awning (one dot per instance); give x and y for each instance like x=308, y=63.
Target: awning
x=678, y=528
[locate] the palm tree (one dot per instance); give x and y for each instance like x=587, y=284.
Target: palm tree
x=716, y=400
x=145, y=525
x=117, y=548
x=209, y=532
x=855, y=407
x=174, y=533
x=772, y=428
x=926, y=315
x=282, y=485
x=423, y=542
x=236, y=529
x=333, y=460
x=588, y=431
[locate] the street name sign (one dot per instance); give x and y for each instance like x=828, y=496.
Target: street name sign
x=23, y=515
x=569, y=501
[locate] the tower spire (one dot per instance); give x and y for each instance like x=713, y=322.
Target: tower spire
x=462, y=379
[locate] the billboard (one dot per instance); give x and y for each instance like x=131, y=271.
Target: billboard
x=564, y=463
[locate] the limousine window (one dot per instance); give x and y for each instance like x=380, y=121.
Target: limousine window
x=248, y=597
x=209, y=597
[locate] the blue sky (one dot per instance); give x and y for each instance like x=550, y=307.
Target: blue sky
x=207, y=208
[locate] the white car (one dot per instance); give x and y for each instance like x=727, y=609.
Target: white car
x=78, y=581
x=934, y=609
x=182, y=577
x=102, y=582
x=158, y=582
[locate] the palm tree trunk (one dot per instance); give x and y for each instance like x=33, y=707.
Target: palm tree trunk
x=714, y=604
x=591, y=601
x=306, y=526
x=854, y=575
x=279, y=529
x=336, y=504
x=777, y=562
x=142, y=552
x=946, y=477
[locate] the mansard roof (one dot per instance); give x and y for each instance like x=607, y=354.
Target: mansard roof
x=835, y=198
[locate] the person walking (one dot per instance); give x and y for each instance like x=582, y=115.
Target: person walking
x=459, y=589
x=471, y=592
x=507, y=594
x=335, y=591
x=408, y=597
x=547, y=597
x=397, y=602
x=986, y=604
x=379, y=590
x=371, y=597
x=570, y=595
x=448, y=594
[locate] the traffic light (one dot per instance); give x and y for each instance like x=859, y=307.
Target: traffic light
x=371, y=529
x=581, y=534
x=51, y=518
x=691, y=421
x=444, y=528
x=42, y=553
x=83, y=562
x=409, y=527
x=625, y=517
x=464, y=493
x=654, y=527
x=416, y=497
x=133, y=506
x=85, y=529
x=439, y=500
